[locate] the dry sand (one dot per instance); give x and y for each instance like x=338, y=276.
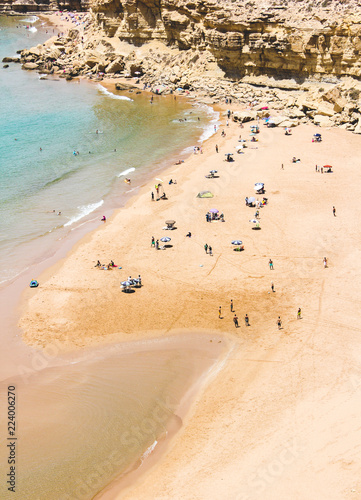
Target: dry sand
x=281, y=419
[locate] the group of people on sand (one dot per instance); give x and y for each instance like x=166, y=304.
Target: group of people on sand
x=214, y=216
x=104, y=266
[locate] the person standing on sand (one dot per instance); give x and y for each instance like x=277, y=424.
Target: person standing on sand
x=334, y=211
x=299, y=313
x=152, y=196
x=206, y=248
x=279, y=323
x=270, y=263
x=153, y=241
x=210, y=250
x=324, y=262
x=272, y=287
x=220, y=312
x=282, y=167
x=235, y=321
x=216, y=148
x=246, y=320
x=231, y=305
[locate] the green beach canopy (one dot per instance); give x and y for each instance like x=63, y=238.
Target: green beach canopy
x=204, y=194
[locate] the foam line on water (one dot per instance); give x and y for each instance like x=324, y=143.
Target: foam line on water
x=106, y=92
x=126, y=172
x=30, y=20
x=83, y=211
x=148, y=451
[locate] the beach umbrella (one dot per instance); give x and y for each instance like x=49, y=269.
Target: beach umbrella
x=254, y=221
x=317, y=135
x=252, y=199
x=259, y=186
x=214, y=211
x=165, y=239
x=237, y=242
x=213, y=171
x=228, y=154
x=126, y=283
x=327, y=166
x=170, y=222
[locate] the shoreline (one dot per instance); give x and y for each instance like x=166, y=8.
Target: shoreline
x=174, y=290
x=285, y=391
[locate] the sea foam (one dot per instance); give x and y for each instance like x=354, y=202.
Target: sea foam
x=83, y=211
x=126, y=172
x=106, y=92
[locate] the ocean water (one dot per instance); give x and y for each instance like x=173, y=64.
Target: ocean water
x=44, y=121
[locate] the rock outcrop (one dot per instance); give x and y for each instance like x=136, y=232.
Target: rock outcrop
x=301, y=58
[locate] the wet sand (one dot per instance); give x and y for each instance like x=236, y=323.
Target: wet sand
x=280, y=420
x=100, y=413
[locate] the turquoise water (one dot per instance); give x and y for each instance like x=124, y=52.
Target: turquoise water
x=43, y=121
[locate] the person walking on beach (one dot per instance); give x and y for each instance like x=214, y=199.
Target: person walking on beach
x=206, y=248
x=235, y=321
x=157, y=245
x=270, y=263
x=246, y=320
x=282, y=167
x=324, y=262
x=153, y=241
x=272, y=287
x=334, y=211
x=210, y=250
x=231, y=305
x=220, y=312
x=279, y=323
x=216, y=148
x=299, y=313
x=152, y=196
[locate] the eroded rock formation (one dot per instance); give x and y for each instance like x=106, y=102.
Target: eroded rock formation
x=301, y=58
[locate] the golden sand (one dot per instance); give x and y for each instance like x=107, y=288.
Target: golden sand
x=281, y=419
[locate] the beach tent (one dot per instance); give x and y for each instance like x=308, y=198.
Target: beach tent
x=204, y=194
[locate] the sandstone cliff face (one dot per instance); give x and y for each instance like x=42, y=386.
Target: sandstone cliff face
x=281, y=38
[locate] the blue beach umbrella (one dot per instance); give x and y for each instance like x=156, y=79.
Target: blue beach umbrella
x=237, y=242
x=165, y=239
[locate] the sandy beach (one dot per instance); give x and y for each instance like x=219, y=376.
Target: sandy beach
x=280, y=417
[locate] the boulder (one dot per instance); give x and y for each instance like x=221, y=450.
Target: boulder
x=358, y=127
x=278, y=120
x=325, y=109
x=115, y=66
x=322, y=120
x=124, y=86
x=295, y=113
x=54, y=53
x=244, y=116
x=34, y=51
x=30, y=65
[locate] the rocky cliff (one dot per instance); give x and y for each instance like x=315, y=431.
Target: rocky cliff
x=248, y=50
x=281, y=38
